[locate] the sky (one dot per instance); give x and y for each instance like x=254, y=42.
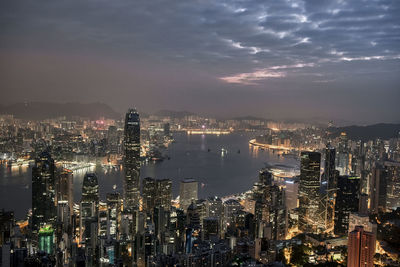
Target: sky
x=286, y=59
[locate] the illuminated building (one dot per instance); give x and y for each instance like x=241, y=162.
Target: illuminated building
x=378, y=187
x=231, y=208
x=132, y=159
x=309, y=214
x=343, y=155
x=65, y=188
x=330, y=178
x=393, y=184
x=89, y=206
x=113, y=213
x=347, y=201
x=361, y=248
x=156, y=193
x=270, y=209
x=43, y=192
x=46, y=239
x=112, y=139
x=188, y=192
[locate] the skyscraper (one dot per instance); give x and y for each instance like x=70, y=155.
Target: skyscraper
x=361, y=248
x=43, y=192
x=378, y=187
x=309, y=215
x=188, y=193
x=65, y=188
x=156, y=193
x=132, y=159
x=89, y=206
x=330, y=178
x=347, y=201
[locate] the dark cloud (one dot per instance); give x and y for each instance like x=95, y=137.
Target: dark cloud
x=254, y=54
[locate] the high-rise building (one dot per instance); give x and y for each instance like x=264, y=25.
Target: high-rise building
x=343, y=155
x=188, y=192
x=113, y=213
x=310, y=218
x=65, y=188
x=393, y=184
x=361, y=248
x=265, y=177
x=112, y=139
x=330, y=178
x=89, y=207
x=347, y=200
x=43, y=192
x=132, y=159
x=156, y=193
x=378, y=187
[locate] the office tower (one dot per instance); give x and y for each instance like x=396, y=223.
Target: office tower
x=65, y=188
x=188, y=192
x=149, y=194
x=309, y=215
x=211, y=228
x=270, y=209
x=343, y=155
x=113, y=213
x=393, y=184
x=89, y=206
x=347, y=200
x=265, y=177
x=330, y=177
x=156, y=193
x=291, y=193
x=112, y=139
x=43, y=192
x=132, y=159
x=231, y=208
x=378, y=187
x=361, y=248
x=164, y=194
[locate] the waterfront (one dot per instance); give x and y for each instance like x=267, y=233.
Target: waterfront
x=196, y=156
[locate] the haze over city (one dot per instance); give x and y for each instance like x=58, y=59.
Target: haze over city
x=336, y=60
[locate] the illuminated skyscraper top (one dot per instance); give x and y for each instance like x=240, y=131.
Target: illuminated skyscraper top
x=132, y=159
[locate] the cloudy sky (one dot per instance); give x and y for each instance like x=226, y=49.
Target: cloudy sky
x=296, y=59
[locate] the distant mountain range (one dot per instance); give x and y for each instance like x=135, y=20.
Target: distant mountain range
x=47, y=110
x=370, y=132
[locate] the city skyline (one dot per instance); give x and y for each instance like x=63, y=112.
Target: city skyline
x=290, y=59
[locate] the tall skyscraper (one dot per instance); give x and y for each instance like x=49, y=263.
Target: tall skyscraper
x=156, y=193
x=132, y=159
x=65, y=188
x=309, y=214
x=361, y=248
x=330, y=178
x=393, y=184
x=188, y=192
x=43, y=192
x=378, y=187
x=347, y=201
x=89, y=206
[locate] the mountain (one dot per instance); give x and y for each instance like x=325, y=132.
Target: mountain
x=47, y=110
x=371, y=132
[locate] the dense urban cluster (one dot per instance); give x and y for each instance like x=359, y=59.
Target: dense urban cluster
x=341, y=207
